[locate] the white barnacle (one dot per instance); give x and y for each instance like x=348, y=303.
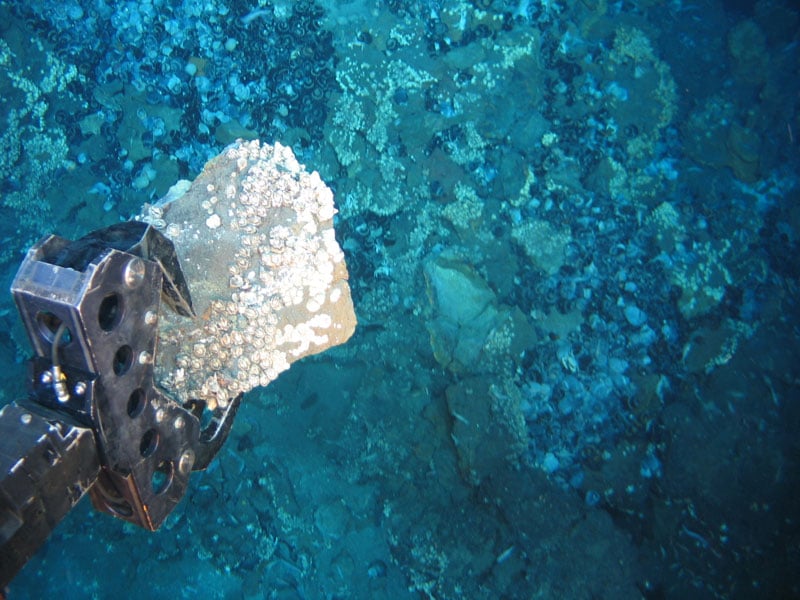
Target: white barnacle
x=249, y=299
x=173, y=230
x=321, y=321
x=326, y=211
x=213, y=221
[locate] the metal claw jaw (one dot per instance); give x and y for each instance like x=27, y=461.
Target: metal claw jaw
x=91, y=310
x=216, y=432
x=139, y=239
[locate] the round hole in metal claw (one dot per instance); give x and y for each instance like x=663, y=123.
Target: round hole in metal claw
x=48, y=326
x=162, y=476
x=122, y=360
x=110, y=312
x=149, y=443
x=136, y=403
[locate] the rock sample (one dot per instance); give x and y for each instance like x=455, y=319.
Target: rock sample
x=254, y=235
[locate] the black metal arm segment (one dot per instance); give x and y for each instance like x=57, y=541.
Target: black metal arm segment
x=91, y=308
x=46, y=465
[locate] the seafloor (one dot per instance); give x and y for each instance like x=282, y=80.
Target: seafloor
x=571, y=228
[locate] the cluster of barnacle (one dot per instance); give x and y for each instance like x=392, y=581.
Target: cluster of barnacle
x=266, y=308
x=235, y=350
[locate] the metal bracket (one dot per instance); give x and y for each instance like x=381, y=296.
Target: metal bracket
x=46, y=465
x=91, y=309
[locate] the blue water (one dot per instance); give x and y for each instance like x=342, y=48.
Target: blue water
x=571, y=229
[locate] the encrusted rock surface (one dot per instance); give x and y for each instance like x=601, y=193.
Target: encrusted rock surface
x=254, y=234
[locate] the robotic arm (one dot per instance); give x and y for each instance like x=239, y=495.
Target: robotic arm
x=105, y=414
x=94, y=420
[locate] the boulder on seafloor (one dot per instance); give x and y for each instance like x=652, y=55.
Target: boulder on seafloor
x=488, y=427
x=469, y=330
x=465, y=312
